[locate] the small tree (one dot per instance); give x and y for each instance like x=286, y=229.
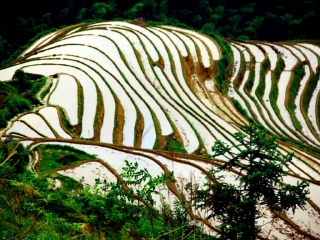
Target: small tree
x=261, y=171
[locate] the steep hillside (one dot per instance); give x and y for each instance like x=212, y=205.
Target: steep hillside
x=161, y=96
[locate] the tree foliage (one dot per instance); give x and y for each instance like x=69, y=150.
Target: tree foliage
x=19, y=95
x=31, y=208
x=275, y=20
x=261, y=168
x=21, y=80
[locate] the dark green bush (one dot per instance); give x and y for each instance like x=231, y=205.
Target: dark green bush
x=17, y=104
x=20, y=95
x=4, y=116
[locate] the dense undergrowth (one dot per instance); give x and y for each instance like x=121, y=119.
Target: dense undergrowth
x=31, y=207
x=18, y=95
x=60, y=156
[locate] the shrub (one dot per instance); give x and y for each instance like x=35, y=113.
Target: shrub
x=17, y=104
x=4, y=116
x=237, y=205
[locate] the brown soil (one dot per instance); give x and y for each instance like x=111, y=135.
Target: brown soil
x=238, y=80
x=188, y=70
x=49, y=125
x=140, y=21
x=286, y=101
x=118, y=122
x=159, y=63
x=204, y=73
x=139, y=127
x=98, y=121
x=78, y=128
x=160, y=140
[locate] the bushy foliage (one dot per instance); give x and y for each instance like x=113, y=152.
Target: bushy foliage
x=21, y=81
x=20, y=95
x=4, y=116
x=174, y=146
x=32, y=209
x=261, y=169
x=56, y=156
x=15, y=104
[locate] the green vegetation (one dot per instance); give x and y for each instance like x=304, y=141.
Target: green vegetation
x=249, y=83
x=173, y=145
x=18, y=95
x=46, y=91
x=57, y=156
x=64, y=120
x=265, y=66
x=237, y=205
x=293, y=91
x=241, y=110
x=224, y=65
x=309, y=90
x=274, y=87
x=32, y=209
x=238, y=80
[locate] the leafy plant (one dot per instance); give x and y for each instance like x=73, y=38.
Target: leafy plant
x=143, y=184
x=260, y=169
x=19, y=95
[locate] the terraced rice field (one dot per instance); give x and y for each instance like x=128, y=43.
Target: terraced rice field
x=125, y=92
